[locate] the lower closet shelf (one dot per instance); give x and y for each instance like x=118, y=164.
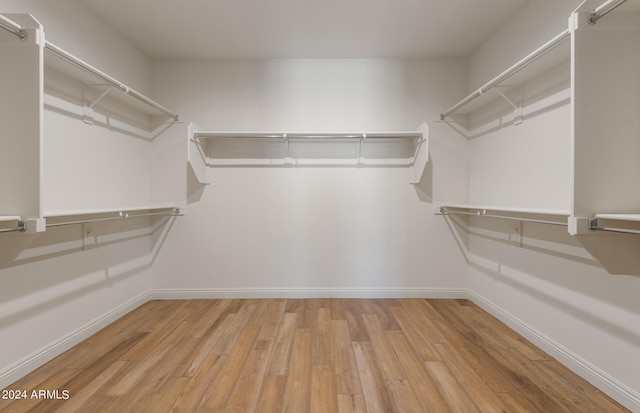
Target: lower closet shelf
x=541, y=216
x=72, y=217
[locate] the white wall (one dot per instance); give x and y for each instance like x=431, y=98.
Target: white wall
x=548, y=287
x=57, y=286
x=319, y=231
x=71, y=25
x=535, y=24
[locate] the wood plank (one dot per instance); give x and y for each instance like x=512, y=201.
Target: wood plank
x=421, y=344
x=279, y=361
x=164, y=397
x=85, y=392
x=298, y=385
x=208, y=315
x=351, y=403
x=139, y=369
x=271, y=394
x=403, y=397
x=323, y=389
x=375, y=393
x=203, y=349
x=430, y=397
x=322, y=353
x=198, y=385
x=227, y=377
x=386, y=356
x=273, y=316
x=244, y=397
x=233, y=331
x=345, y=367
x=455, y=395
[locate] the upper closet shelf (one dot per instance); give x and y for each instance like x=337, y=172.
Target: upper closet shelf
x=399, y=148
x=546, y=57
x=70, y=65
x=620, y=217
x=309, y=135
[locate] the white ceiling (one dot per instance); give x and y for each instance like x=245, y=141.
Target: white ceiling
x=306, y=28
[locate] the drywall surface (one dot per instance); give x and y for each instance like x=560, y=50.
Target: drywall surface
x=313, y=231
x=537, y=277
x=535, y=24
x=70, y=25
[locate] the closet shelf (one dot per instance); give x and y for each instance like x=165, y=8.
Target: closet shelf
x=71, y=217
x=546, y=57
x=68, y=64
x=624, y=223
x=308, y=135
x=390, y=148
x=619, y=217
x=541, y=216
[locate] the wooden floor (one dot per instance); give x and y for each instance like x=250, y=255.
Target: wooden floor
x=317, y=355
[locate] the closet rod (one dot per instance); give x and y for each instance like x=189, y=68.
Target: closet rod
x=510, y=71
x=22, y=227
x=593, y=226
x=96, y=72
x=13, y=27
x=121, y=215
x=269, y=135
x=602, y=10
x=445, y=211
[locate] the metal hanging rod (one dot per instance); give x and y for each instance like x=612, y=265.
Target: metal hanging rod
x=119, y=215
x=510, y=71
x=483, y=213
x=309, y=135
x=602, y=10
x=175, y=212
x=593, y=226
x=22, y=227
x=96, y=72
x=13, y=27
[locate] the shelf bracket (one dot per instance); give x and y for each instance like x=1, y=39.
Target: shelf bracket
x=87, y=113
x=288, y=160
x=517, y=109
x=360, y=160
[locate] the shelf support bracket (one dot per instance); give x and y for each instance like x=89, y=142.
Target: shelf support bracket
x=288, y=160
x=87, y=113
x=360, y=160
x=517, y=109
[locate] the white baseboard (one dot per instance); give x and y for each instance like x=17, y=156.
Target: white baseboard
x=181, y=294
x=36, y=359
x=609, y=385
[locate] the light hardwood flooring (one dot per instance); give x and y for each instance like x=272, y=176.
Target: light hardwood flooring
x=311, y=355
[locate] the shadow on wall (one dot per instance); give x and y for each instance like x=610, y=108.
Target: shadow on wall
x=545, y=263
x=46, y=270
x=565, y=306
x=424, y=188
x=19, y=249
